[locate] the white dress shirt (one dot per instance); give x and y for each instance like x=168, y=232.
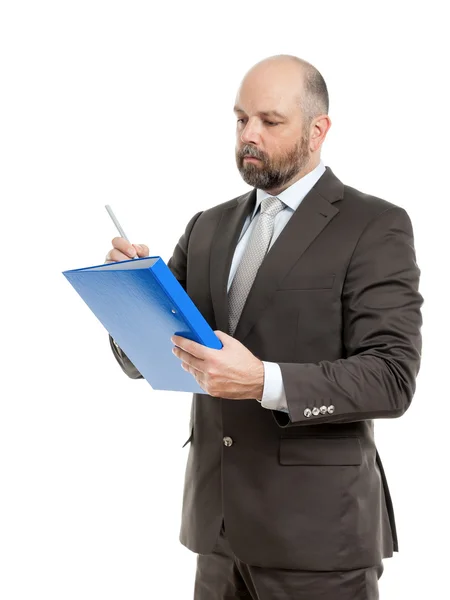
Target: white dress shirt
x=274, y=397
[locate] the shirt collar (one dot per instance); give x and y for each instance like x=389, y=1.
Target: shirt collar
x=294, y=194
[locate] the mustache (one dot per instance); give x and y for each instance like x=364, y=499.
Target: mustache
x=251, y=153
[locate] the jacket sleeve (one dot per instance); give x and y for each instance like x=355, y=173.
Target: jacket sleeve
x=381, y=307
x=125, y=363
x=178, y=265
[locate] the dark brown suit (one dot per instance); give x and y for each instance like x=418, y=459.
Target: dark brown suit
x=336, y=304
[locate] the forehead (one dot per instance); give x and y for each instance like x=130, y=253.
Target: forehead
x=268, y=92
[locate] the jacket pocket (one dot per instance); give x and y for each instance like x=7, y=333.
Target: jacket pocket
x=320, y=451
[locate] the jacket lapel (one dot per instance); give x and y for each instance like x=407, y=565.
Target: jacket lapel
x=315, y=211
x=224, y=244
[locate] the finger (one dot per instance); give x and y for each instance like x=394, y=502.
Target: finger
x=192, y=348
x=192, y=370
x=188, y=359
x=142, y=250
x=121, y=244
x=115, y=256
x=198, y=378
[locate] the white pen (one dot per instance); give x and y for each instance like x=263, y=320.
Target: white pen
x=117, y=224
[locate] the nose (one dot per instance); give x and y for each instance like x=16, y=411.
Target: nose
x=250, y=134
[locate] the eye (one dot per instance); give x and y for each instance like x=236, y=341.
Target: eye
x=270, y=123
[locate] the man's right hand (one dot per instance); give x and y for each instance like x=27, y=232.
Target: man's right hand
x=123, y=250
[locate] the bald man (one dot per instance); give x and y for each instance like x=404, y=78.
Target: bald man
x=313, y=288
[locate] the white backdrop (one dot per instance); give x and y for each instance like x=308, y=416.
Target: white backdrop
x=131, y=104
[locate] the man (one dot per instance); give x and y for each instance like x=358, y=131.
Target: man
x=313, y=288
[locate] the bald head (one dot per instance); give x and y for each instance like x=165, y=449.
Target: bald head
x=291, y=78
x=282, y=119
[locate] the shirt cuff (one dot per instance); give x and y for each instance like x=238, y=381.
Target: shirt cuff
x=274, y=397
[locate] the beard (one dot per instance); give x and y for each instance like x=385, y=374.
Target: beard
x=276, y=172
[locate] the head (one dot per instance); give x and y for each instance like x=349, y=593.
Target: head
x=282, y=120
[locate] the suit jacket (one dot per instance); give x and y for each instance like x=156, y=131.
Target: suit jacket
x=336, y=304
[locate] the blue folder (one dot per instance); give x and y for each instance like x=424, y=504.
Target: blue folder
x=142, y=304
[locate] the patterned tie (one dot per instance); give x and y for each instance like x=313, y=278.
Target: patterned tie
x=251, y=260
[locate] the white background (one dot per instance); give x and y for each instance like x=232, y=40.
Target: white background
x=130, y=104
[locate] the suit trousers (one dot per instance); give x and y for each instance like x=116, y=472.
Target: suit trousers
x=222, y=576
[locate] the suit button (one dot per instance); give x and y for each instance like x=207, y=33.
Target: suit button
x=315, y=411
x=307, y=412
x=323, y=410
x=331, y=409
x=227, y=441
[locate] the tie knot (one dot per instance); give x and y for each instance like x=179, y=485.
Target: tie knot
x=271, y=205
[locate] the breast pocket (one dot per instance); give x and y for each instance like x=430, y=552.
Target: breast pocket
x=306, y=282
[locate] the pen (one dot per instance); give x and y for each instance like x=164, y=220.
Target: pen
x=117, y=224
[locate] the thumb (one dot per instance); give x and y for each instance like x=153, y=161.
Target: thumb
x=222, y=335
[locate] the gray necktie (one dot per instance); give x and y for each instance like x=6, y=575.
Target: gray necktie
x=251, y=260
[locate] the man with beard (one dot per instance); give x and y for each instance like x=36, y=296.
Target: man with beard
x=313, y=288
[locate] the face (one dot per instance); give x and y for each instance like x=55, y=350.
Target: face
x=271, y=131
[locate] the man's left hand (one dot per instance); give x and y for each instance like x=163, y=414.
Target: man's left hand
x=232, y=372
